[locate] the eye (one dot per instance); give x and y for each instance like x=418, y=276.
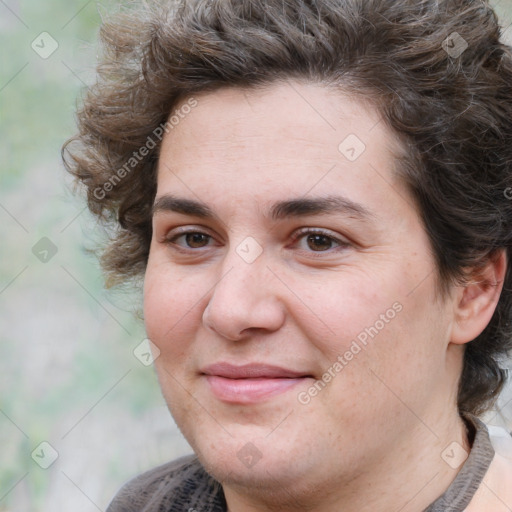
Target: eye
x=189, y=239
x=317, y=240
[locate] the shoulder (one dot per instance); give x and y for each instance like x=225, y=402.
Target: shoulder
x=182, y=484
x=501, y=440
x=495, y=492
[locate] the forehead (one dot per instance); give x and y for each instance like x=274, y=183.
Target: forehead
x=321, y=114
x=289, y=138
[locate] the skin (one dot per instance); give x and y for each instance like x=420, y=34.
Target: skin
x=372, y=438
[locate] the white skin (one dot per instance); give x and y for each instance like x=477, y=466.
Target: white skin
x=372, y=439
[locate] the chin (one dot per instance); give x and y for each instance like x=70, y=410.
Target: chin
x=277, y=482
x=270, y=476
x=253, y=458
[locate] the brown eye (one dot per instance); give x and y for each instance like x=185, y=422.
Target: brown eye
x=196, y=240
x=189, y=240
x=319, y=242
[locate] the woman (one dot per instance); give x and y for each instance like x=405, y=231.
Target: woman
x=315, y=195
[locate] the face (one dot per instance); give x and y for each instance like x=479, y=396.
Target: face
x=290, y=289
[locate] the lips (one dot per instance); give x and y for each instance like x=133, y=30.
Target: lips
x=251, y=371
x=250, y=383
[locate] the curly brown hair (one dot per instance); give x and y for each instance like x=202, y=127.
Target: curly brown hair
x=436, y=70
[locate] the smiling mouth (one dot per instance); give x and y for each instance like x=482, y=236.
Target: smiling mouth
x=250, y=383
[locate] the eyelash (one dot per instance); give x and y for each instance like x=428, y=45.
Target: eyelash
x=297, y=236
x=304, y=232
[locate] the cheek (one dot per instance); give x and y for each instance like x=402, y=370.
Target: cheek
x=373, y=321
x=345, y=307
x=406, y=357
x=171, y=308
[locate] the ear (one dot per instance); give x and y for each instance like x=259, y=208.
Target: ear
x=477, y=299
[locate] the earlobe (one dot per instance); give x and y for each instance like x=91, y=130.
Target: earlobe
x=477, y=299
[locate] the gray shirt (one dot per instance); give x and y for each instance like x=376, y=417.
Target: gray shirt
x=184, y=486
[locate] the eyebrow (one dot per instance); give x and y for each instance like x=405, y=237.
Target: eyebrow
x=299, y=207
x=168, y=203
x=320, y=205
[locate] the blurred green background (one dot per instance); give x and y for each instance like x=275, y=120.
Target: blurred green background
x=69, y=376
x=68, y=373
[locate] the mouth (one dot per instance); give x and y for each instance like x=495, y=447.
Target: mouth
x=250, y=383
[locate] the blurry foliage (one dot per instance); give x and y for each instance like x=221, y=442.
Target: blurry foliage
x=38, y=99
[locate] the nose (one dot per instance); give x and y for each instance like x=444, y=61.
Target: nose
x=245, y=300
